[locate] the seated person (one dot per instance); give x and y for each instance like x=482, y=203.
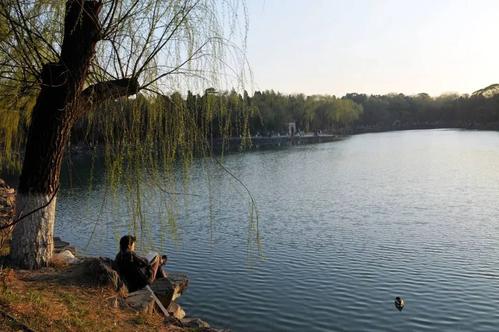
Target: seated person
x=137, y=272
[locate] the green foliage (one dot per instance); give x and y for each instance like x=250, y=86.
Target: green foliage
x=148, y=139
x=165, y=45
x=161, y=46
x=274, y=111
x=398, y=111
x=25, y=44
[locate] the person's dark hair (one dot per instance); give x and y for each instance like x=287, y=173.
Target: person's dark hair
x=126, y=241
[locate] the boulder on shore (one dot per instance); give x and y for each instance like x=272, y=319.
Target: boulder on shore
x=100, y=271
x=141, y=301
x=179, y=281
x=64, y=257
x=166, y=290
x=176, y=310
x=194, y=323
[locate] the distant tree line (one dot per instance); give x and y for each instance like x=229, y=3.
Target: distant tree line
x=230, y=114
x=220, y=115
x=214, y=115
x=398, y=111
x=356, y=112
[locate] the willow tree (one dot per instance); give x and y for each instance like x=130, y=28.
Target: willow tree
x=69, y=57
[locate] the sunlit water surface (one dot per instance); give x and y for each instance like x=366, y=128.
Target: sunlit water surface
x=344, y=228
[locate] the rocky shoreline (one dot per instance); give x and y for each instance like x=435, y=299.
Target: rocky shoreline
x=158, y=300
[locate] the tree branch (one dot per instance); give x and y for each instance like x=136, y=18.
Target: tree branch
x=102, y=91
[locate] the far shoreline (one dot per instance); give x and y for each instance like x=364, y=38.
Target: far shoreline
x=233, y=145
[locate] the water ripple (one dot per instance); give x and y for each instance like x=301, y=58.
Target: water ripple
x=346, y=227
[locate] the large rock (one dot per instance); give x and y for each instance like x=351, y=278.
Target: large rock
x=179, y=281
x=64, y=257
x=100, y=271
x=166, y=290
x=142, y=301
x=194, y=323
x=176, y=310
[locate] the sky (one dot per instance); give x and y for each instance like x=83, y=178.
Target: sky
x=373, y=46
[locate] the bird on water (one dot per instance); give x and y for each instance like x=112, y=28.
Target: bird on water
x=399, y=303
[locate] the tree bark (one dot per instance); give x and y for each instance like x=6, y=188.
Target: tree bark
x=32, y=239
x=53, y=116
x=101, y=91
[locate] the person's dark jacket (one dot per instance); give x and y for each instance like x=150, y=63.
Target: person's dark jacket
x=134, y=270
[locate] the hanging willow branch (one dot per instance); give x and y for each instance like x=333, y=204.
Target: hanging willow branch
x=142, y=48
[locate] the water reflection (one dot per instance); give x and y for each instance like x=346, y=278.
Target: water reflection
x=345, y=228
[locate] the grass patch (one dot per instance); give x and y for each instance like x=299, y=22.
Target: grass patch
x=44, y=303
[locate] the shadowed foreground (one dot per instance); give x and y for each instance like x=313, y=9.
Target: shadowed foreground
x=53, y=299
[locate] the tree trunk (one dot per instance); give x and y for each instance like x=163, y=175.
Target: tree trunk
x=53, y=116
x=32, y=239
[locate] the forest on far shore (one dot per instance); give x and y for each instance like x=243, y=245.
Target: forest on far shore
x=191, y=119
x=267, y=113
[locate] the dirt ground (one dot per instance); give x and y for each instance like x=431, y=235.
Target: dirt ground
x=60, y=299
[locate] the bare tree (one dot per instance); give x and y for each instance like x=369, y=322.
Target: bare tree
x=77, y=54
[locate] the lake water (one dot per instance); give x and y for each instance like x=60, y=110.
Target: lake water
x=345, y=227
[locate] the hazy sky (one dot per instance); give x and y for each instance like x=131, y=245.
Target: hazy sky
x=373, y=46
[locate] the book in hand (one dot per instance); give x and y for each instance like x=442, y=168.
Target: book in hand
x=152, y=256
